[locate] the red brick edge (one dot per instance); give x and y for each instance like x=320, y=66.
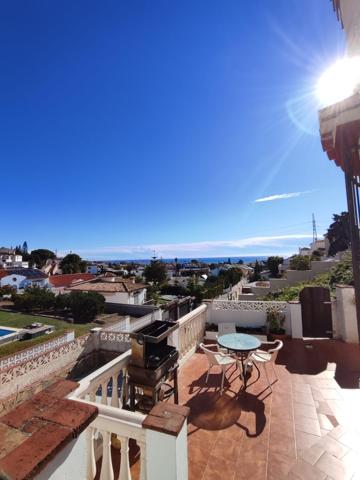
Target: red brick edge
x=34, y=433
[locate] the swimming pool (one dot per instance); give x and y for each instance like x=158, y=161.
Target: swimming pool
x=9, y=334
x=4, y=331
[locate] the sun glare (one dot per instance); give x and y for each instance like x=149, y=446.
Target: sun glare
x=339, y=81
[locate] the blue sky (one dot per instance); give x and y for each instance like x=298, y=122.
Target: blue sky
x=128, y=126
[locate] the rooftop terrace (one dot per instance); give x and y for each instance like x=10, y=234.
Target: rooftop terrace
x=307, y=427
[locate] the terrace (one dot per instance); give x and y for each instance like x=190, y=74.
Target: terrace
x=307, y=427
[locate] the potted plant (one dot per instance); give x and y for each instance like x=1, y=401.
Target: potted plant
x=275, y=320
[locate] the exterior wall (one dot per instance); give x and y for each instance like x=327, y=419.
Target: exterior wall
x=127, y=298
x=297, y=276
x=16, y=378
x=296, y=319
x=350, y=15
x=119, y=297
x=346, y=314
x=251, y=314
x=21, y=282
x=29, y=353
x=70, y=462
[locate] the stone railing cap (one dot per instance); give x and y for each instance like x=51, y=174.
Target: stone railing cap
x=167, y=418
x=34, y=432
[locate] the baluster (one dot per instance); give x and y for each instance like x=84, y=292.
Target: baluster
x=115, y=396
x=92, y=395
x=142, y=446
x=107, y=472
x=124, y=389
x=124, y=473
x=92, y=462
x=104, y=393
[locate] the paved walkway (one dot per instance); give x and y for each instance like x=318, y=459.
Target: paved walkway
x=306, y=428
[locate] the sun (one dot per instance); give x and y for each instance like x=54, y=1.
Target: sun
x=339, y=81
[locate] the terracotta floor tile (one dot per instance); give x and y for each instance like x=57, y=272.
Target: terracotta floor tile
x=260, y=435
x=312, y=455
x=307, y=425
x=305, y=398
x=302, y=410
x=279, y=466
x=282, y=444
x=305, y=440
x=305, y=471
x=334, y=447
x=217, y=469
x=334, y=467
x=302, y=387
x=254, y=469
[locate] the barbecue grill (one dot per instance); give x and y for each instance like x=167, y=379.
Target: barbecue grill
x=153, y=363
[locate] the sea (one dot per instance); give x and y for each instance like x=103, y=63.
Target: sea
x=145, y=261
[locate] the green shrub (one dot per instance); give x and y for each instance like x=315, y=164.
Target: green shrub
x=300, y=262
x=34, y=298
x=85, y=306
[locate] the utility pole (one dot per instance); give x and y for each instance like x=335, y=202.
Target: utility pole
x=314, y=229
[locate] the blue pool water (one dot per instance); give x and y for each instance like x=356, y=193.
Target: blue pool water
x=4, y=332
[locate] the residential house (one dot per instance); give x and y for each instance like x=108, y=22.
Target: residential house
x=10, y=259
x=59, y=283
x=21, y=278
x=114, y=289
x=93, y=268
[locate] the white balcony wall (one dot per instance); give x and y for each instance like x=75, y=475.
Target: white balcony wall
x=70, y=463
x=247, y=314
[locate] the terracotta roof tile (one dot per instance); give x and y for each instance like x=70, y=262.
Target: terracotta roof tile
x=104, y=286
x=34, y=432
x=68, y=279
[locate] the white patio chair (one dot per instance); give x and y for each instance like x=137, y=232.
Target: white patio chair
x=223, y=329
x=217, y=358
x=263, y=357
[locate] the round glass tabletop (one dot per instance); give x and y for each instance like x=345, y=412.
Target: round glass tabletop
x=239, y=342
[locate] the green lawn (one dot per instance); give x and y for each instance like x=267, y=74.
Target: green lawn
x=20, y=320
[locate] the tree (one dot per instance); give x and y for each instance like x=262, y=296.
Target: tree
x=342, y=274
x=25, y=250
x=338, y=233
x=155, y=271
x=256, y=274
x=85, y=306
x=273, y=265
x=34, y=298
x=40, y=256
x=300, y=262
x=72, y=263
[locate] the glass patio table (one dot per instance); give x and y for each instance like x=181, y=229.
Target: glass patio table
x=240, y=343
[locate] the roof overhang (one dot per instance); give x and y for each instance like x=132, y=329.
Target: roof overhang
x=340, y=133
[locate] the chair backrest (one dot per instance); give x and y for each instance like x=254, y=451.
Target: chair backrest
x=274, y=351
x=211, y=355
x=224, y=328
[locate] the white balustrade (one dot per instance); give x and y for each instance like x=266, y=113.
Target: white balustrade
x=191, y=332
x=107, y=379
x=115, y=426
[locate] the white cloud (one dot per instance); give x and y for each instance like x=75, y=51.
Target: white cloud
x=280, y=196
x=204, y=248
